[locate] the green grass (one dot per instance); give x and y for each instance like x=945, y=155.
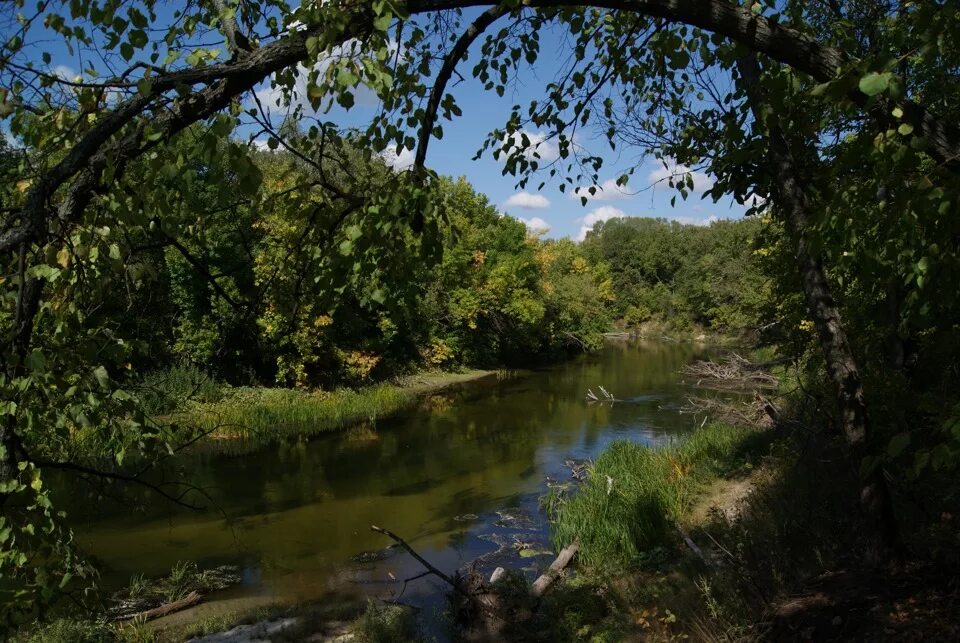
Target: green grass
x=635, y=494
x=266, y=414
x=386, y=623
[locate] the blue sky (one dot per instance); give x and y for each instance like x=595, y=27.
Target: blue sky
x=549, y=211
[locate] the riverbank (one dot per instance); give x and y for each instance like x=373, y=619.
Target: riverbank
x=254, y=416
x=668, y=332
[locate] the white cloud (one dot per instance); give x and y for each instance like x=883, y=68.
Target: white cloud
x=753, y=200
x=669, y=168
x=536, y=225
x=603, y=213
x=272, y=98
x=606, y=191
x=539, y=148
x=260, y=144
x=695, y=221
x=527, y=201
x=65, y=72
x=399, y=162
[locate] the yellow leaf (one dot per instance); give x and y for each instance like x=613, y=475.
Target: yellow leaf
x=24, y=185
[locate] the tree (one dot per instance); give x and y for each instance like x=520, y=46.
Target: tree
x=63, y=222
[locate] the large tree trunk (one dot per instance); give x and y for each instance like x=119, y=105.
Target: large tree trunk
x=793, y=203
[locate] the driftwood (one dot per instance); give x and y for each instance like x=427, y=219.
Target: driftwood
x=478, y=603
x=189, y=600
x=542, y=584
x=733, y=372
x=758, y=412
x=692, y=545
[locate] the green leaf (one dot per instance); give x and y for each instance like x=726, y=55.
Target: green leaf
x=36, y=360
x=906, y=129
x=102, y=377
x=897, y=444
x=138, y=38
x=874, y=83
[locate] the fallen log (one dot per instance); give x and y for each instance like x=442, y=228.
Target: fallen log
x=543, y=583
x=189, y=600
x=692, y=545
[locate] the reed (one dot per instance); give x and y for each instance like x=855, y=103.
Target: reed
x=635, y=495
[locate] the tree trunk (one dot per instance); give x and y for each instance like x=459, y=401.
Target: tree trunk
x=794, y=204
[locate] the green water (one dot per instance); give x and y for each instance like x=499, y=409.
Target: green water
x=295, y=517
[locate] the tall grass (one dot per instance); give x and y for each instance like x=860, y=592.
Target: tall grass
x=266, y=414
x=635, y=494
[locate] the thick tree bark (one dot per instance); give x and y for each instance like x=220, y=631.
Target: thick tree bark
x=791, y=199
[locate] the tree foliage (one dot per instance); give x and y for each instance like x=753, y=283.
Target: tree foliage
x=682, y=274
x=132, y=189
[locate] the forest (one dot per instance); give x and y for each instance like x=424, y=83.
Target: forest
x=203, y=270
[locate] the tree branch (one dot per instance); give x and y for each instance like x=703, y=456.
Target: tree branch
x=450, y=62
x=423, y=561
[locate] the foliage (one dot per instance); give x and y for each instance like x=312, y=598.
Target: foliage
x=503, y=296
x=163, y=391
x=132, y=191
x=682, y=274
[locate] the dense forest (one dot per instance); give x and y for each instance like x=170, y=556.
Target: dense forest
x=172, y=253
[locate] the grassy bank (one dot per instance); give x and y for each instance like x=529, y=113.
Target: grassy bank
x=260, y=415
x=635, y=495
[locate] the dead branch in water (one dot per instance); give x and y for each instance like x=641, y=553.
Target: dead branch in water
x=733, y=372
x=759, y=411
x=543, y=583
x=605, y=396
x=423, y=561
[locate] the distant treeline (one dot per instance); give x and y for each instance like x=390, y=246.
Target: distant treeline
x=683, y=275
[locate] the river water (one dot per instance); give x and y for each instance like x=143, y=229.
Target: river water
x=459, y=477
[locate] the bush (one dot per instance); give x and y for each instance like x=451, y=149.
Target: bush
x=167, y=390
x=383, y=623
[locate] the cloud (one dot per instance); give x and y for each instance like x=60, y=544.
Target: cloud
x=753, y=200
x=536, y=225
x=260, y=144
x=65, y=72
x=399, y=162
x=603, y=213
x=272, y=97
x=606, y=191
x=678, y=171
x=527, y=201
x=695, y=221
x=538, y=146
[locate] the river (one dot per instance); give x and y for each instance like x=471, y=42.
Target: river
x=457, y=477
